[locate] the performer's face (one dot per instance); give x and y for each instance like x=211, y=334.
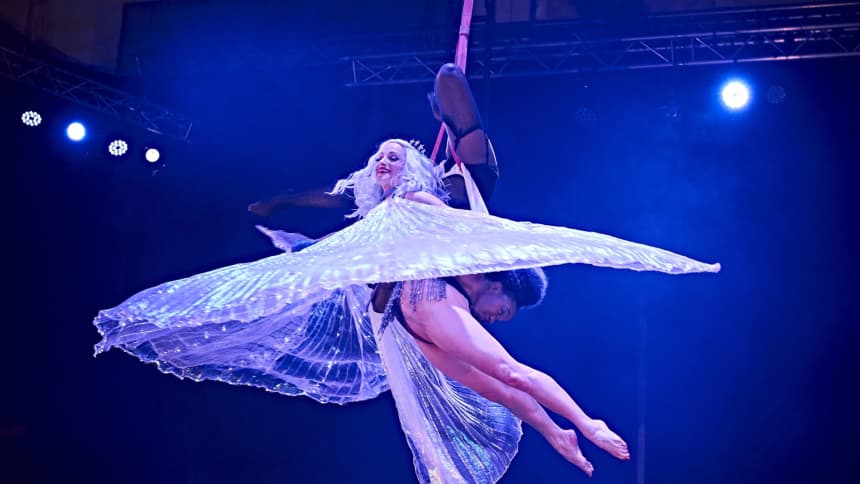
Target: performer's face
x=390, y=161
x=494, y=305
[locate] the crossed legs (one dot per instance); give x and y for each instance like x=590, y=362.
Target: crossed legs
x=466, y=352
x=518, y=402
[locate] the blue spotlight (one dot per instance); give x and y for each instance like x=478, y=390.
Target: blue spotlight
x=735, y=95
x=76, y=131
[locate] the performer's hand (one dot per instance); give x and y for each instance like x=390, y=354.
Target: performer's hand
x=285, y=241
x=261, y=208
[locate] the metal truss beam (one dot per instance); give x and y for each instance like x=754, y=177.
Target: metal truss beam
x=712, y=37
x=94, y=95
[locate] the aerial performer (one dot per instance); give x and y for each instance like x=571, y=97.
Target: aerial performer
x=306, y=322
x=397, y=301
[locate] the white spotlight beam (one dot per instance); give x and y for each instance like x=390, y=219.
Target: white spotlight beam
x=152, y=155
x=76, y=131
x=735, y=95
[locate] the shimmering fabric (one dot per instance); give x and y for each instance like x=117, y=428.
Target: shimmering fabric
x=456, y=436
x=296, y=323
x=476, y=201
x=398, y=240
x=321, y=347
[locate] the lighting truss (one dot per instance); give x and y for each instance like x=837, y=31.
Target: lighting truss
x=91, y=94
x=809, y=31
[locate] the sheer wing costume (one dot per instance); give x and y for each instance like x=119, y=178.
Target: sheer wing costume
x=299, y=323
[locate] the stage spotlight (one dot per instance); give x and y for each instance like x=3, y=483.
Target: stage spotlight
x=152, y=155
x=735, y=95
x=76, y=131
x=118, y=147
x=31, y=118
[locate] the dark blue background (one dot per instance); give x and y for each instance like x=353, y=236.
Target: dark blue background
x=748, y=375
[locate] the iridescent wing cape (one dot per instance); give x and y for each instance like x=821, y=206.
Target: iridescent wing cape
x=297, y=323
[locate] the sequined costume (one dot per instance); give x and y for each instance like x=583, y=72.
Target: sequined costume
x=297, y=323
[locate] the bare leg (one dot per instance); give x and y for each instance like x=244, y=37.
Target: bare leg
x=518, y=402
x=457, y=333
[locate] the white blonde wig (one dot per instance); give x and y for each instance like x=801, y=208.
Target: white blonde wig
x=418, y=175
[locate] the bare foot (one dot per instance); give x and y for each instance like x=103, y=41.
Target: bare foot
x=566, y=444
x=601, y=436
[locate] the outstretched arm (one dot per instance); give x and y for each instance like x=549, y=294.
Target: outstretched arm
x=295, y=242
x=309, y=198
x=289, y=241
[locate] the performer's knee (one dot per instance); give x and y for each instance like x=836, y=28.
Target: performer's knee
x=517, y=376
x=449, y=71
